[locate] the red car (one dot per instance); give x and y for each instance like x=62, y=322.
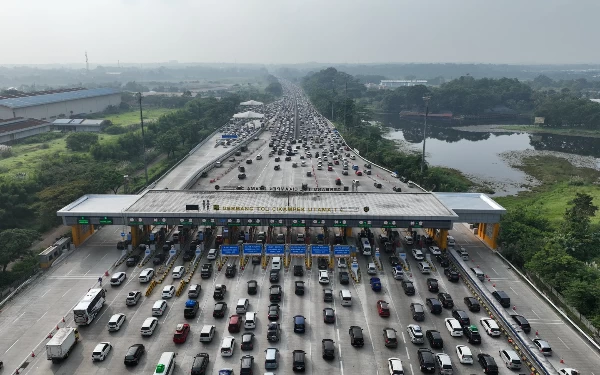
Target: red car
x=336, y=162
x=181, y=333
x=383, y=308
x=330, y=168
x=235, y=323
x=358, y=173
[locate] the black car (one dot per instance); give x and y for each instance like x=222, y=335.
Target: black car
x=462, y=317
x=328, y=349
x=409, y=288
x=247, y=341
x=274, y=276
x=434, y=338
x=472, y=304
x=298, y=270
x=451, y=274
x=443, y=261
x=230, y=270
x=188, y=255
x=328, y=315
x=206, y=270
x=426, y=360
x=246, y=365
x=488, y=363
x=220, y=309
x=299, y=288
x=432, y=285
x=273, y=312
x=133, y=355
x=446, y=300
x=252, y=287
x=394, y=261
x=322, y=263
x=200, y=364
x=522, y=322
x=356, y=336
x=219, y=292
x=132, y=260
x=435, y=307
x=299, y=360
x=275, y=293
x=344, y=277
x=472, y=334
x=158, y=258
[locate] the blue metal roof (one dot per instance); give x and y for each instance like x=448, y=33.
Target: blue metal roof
x=29, y=101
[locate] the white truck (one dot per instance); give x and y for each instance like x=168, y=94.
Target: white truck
x=59, y=346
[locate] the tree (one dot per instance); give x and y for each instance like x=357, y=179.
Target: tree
x=275, y=89
x=81, y=141
x=15, y=242
x=168, y=142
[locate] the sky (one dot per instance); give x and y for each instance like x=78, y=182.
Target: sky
x=286, y=31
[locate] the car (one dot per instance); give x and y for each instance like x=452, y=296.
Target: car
x=115, y=322
x=328, y=315
x=118, y=278
x=178, y=272
x=275, y=292
x=568, y=371
x=383, y=308
x=435, y=338
x=435, y=306
x=132, y=260
x=543, y=346
x=462, y=317
x=344, y=173
x=247, y=341
x=246, y=365
x=409, y=288
x=488, y=363
x=273, y=332
x=443, y=261
x=273, y=313
x=522, y=322
x=181, y=333
x=434, y=250
x=417, y=311
x=252, y=287
x=446, y=300
x=426, y=360
x=274, y=276
x=472, y=304
x=101, y=351
x=356, y=336
x=230, y=270
x=375, y=284
x=299, y=324
x=328, y=348
x=133, y=298
x=259, y=157
x=451, y=274
x=322, y=263
x=490, y=326
x=231, y=159
x=358, y=173
x=168, y=291
x=299, y=288
x=323, y=277
x=415, y=333
x=234, y=324
x=454, y=327
x=417, y=254
x=220, y=310
x=472, y=334
x=390, y=337
x=432, y=285
x=342, y=262
x=299, y=360
x=134, y=354
x=199, y=364
x=298, y=270
x=464, y=354
x=344, y=277
x=394, y=261
x=398, y=272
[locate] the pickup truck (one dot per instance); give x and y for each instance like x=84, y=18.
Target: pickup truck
x=59, y=347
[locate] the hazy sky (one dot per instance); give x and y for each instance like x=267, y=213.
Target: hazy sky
x=295, y=31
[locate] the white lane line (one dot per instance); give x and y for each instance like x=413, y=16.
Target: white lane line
x=407, y=354
x=104, y=256
x=536, y=314
x=86, y=257
x=403, y=338
x=19, y=316
x=495, y=271
x=11, y=346
x=69, y=273
x=511, y=288
x=566, y=346
x=45, y=293
x=42, y=316
x=85, y=274
x=66, y=292
x=411, y=369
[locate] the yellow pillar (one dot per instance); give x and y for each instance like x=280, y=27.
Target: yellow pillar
x=481, y=230
x=135, y=236
x=348, y=232
x=81, y=232
x=75, y=233
x=443, y=240
x=492, y=241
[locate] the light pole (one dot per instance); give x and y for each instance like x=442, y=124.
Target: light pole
x=332, y=95
x=426, y=99
x=139, y=96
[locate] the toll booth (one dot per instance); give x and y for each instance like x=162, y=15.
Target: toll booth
x=321, y=251
x=342, y=251
x=273, y=250
x=50, y=254
x=226, y=252
x=251, y=250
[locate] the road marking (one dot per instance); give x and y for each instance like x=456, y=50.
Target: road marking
x=104, y=256
x=86, y=257
x=342, y=368
x=407, y=354
x=495, y=271
x=42, y=316
x=87, y=272
x=564, y=343
x=69, y=273
x=411, y=369
x=45, y=293
x=66, y=292
x=536, y=314
x=511, y=288
x=403, y=338
x=19, y=316
x=11, y=346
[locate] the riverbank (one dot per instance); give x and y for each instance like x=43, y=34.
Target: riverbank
x=528, y=129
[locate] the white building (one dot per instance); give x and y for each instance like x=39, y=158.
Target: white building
x=78, y=125
x=46, y=105
x=393, y=83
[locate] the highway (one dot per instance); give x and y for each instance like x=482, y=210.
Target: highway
x=26, y=321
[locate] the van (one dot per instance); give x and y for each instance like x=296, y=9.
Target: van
x=149, y=326
x=250, y=321
x=444, y=363
x=207, y=333
x=146, y=275
x=450, y=241
x=365, y=246
x=159, y=307
x=276, y=263
x=242, y=306
x=212, y=254
x=194, y=291
x=511, y=359
x=424, y=267
x=502, y=297
x=227, y=346
x=166, y=364
x=478, y=273
x=271, y=358
x=345, y=297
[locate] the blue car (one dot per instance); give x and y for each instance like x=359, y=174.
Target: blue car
x=375, y=284
x=226, y=371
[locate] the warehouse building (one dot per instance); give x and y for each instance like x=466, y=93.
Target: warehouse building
x=49, y=105
x=78, y=125
x=19, y=128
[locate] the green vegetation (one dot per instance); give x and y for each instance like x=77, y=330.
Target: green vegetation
x=547, y=130
x=132, y=117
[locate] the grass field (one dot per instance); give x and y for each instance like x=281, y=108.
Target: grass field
x=561, y=181
x=133, y=117
x=539, y=129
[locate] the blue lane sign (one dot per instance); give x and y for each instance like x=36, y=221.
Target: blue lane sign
x=297, y=249
x=252, y=249
x=341, y=250
x=151, y=236
x=229, y=136
x=172, y=252
x=274, y=249
x=319, y=249
x=230, y=250
x=147, y=252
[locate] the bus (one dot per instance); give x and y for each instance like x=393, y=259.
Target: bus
x=85, y=311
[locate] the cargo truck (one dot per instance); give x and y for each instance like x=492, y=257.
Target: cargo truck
x=59, y=347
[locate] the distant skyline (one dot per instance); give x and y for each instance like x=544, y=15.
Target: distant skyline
x=286, y=32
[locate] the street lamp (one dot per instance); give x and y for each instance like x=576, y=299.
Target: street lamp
x=139, y=97
x=426, y=100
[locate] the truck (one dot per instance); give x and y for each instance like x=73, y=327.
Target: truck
x=59, y=347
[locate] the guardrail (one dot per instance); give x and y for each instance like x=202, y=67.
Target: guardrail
x=537, y=365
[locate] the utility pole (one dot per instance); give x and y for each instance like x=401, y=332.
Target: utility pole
x=345, y=101
x=332, y=96
x=426, y=99
x=139, y=95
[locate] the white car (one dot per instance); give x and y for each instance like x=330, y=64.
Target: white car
x=133, y=297
x=454, y=327
x=258, y=157
x=228, y=346
x=417, y=254
x=490, y=326
x=168, y=291
x=118, y=278
x=323, y=277
x=342, y=263
x=398, y=272
x=178, y=272
x=395, y=366
x=352, y=157
x=408, y=240
x=395, y=175
x=303, y=163
x=115, y=322
x=464, y=354
x=434, y=250
x=101, y=351
x=444, y=363
x=415, y=333
x=568, y=371
x=319, y=167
